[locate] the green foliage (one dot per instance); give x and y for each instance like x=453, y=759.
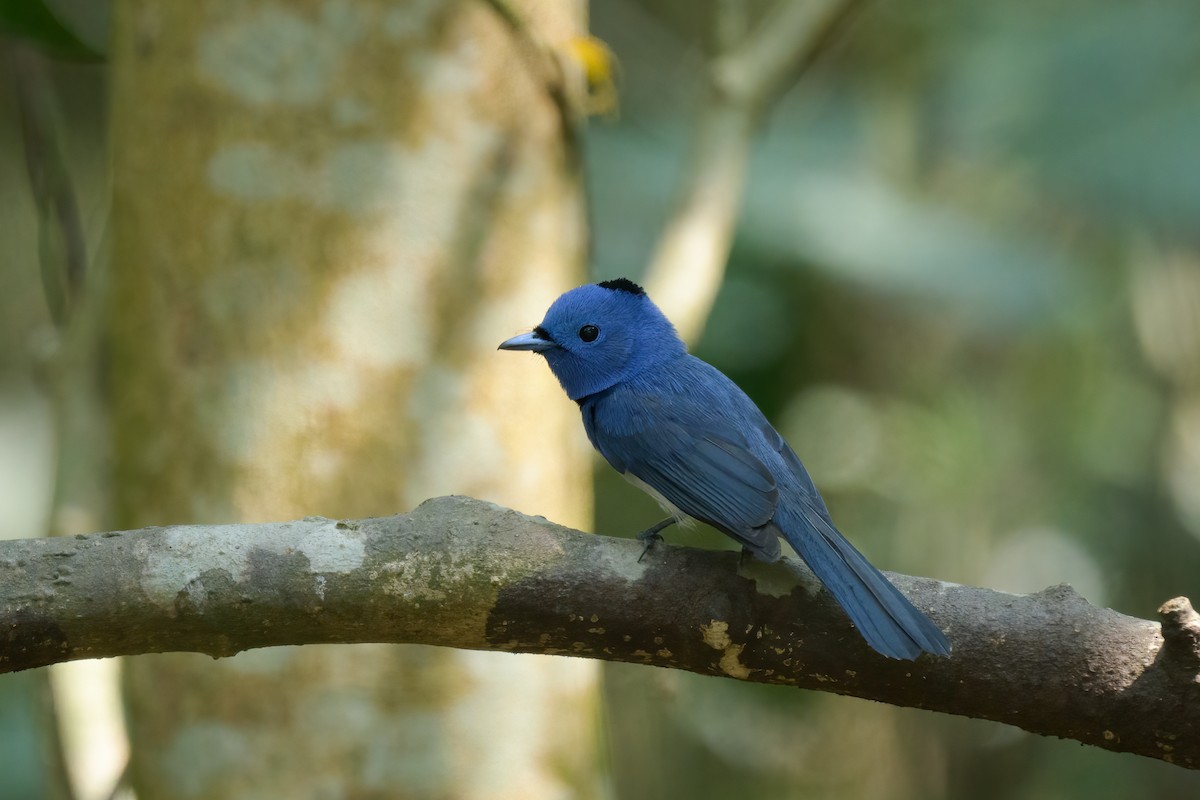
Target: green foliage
x=37, y=23
x=966, y=286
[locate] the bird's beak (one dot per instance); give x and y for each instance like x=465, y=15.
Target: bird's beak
x=528, y=341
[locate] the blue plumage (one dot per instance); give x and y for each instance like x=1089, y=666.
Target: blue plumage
x=684, y=430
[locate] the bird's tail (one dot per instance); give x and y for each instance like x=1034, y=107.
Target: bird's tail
x=887, y=620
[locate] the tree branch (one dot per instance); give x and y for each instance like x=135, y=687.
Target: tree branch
x=61, y=243
x=744, y=77
x=463, y=573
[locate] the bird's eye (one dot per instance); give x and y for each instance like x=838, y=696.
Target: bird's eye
x=589, y=333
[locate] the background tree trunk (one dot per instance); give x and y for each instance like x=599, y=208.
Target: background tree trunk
x=326, y=215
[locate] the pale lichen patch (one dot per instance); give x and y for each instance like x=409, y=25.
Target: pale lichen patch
x=730, y=664
x=622, y=563
x=423, y=576
x=716, y=636
x=331, y=549
x=775, y=580
x=190, y=551
x=251, y=171
x=276, y=56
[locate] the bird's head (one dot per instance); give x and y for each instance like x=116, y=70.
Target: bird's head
x=598, y=335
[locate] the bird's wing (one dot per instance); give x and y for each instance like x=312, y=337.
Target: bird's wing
x=703, y=465
x=811, y=497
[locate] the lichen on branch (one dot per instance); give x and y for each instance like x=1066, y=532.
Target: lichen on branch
x=463, y=573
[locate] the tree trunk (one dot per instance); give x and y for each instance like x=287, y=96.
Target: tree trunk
x=326, y=215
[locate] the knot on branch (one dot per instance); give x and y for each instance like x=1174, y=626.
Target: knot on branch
x=1180, y=630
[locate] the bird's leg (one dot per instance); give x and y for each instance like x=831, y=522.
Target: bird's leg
x=651, y=535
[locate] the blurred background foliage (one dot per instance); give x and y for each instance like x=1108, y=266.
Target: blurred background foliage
x=965, y=284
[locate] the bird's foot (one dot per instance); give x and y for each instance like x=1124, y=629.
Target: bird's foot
x=648, y=537
x=744, y=556
x=651, y=535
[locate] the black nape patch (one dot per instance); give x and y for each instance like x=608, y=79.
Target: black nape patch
x=622, y=285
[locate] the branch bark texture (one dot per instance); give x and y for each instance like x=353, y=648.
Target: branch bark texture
x=462, y=573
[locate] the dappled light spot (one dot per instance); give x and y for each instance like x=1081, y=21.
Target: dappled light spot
x=1183, y=464
x=277, y=57
x=1030, y=559
x=836, y=431
x=1166, y=313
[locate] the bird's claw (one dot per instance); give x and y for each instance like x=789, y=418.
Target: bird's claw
x=651, y=535
x=648, y=538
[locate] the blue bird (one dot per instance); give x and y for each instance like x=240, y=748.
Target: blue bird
x=679, y=429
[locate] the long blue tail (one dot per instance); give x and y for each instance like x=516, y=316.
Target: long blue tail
x=887, y=620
